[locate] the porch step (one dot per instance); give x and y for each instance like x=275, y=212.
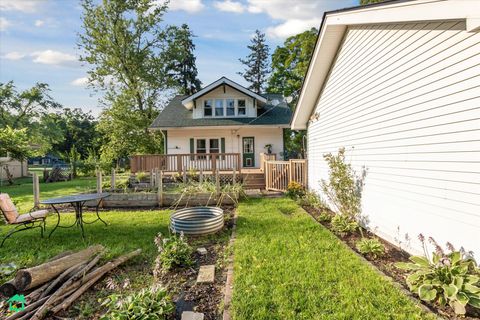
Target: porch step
x=254, y=181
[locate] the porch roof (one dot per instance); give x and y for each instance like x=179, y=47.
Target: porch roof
x=175, y=115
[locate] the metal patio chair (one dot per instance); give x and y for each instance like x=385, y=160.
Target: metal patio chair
x=30, y=220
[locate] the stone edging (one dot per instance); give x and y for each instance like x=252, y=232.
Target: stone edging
x=383, y=274
x=227, y=299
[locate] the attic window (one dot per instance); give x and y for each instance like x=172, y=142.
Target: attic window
x=207, y=108
x=219, y=108
x=241, y=108
x=230, y=107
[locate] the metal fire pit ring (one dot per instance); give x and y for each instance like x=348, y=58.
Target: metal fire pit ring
x=197, y=220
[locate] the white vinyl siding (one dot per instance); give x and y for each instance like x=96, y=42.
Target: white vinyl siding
x=404, y=100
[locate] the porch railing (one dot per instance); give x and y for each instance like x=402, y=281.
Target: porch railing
x=188, y=161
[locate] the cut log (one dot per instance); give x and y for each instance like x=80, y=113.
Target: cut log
x=93, y=277
x=61, y=278
x=8, y=289
x=32, y=277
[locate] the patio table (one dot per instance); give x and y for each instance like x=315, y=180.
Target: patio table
x=77, y=202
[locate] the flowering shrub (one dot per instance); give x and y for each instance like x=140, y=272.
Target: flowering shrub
x=295, y=190
x=447, y=278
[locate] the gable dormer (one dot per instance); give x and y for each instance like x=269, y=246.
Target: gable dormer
x=224, y=99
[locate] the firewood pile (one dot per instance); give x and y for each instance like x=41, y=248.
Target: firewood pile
x=53, y=286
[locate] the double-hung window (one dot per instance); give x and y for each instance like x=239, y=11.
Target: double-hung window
x=207, y=108
x=230, y=107
x=219, y=108
x=214, y=146
x=242, y=110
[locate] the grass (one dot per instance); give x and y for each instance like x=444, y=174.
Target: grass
x=287, y=266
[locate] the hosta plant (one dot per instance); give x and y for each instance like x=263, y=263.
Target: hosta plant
x=343, y=224
x=154, y=303
x=371, y=247
x=448, y=279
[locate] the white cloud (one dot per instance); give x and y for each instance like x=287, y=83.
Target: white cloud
x=229, y=6
x=295, y=16
x=39, y=23
x=54, y=58
x=4, y=24
x=14, y=55
x=80, y=82
x=292, y=27
x=27, y=6
x=191, y=6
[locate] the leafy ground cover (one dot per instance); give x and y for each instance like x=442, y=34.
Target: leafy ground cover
x=287, y=266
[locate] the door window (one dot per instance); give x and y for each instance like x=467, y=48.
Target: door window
x=248, y=145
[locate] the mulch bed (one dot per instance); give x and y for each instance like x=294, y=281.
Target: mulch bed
x=204, y=298
x=385, y=264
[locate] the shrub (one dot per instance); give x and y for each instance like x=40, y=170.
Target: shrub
x=324, y=216
x=371, y=247
x=152, y=303
x=141, y=176
x=173, y=252
x=343, y=187
x=313, y=200
x=343, y=224
x=295, y=190
x=448, y=278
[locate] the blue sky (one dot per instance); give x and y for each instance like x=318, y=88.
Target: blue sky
x=38, y=38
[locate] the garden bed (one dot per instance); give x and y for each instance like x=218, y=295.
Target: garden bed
x=150, y=199
x=385, y=263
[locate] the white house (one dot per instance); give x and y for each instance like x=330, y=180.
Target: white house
x=224, y=117
x=398, y=85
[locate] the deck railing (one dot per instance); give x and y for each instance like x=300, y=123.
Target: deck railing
x=278, y=174
x=188, y=161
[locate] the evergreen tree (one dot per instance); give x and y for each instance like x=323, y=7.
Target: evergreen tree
x=257, y=64
x=181, y=66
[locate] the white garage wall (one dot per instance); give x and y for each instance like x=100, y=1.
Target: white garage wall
x=404, y=100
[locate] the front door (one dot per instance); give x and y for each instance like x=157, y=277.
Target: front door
x=248, y=152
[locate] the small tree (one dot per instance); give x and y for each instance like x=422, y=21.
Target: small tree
x=14, y=144
x=343, y=187
x=257, y=64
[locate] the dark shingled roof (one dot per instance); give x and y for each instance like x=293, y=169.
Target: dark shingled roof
x=175, y=115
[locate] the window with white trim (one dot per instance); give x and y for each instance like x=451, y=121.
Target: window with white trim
x=230, y=107
x=207, y=108
x=242, y=109
x=219, y=112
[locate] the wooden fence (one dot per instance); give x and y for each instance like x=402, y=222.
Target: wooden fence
x=278, y=174
x=188, y=161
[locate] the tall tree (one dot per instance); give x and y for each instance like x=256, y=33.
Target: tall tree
x=123, y=42
x=256, y=63
x=290, y=63
x=289, y=66
x=181, y=63
x=24, y=109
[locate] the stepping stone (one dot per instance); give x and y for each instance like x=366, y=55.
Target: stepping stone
x=190, y=315
x=202, y=251
x=206, y=274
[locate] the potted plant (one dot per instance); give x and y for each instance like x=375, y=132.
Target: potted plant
x=269, y=148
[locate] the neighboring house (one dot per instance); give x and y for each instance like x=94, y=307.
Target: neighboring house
x=16, y=168
x=398, y=85
x=47, y=160
x=225, y=117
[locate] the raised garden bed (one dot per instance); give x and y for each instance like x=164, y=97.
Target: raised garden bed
x=149, y=199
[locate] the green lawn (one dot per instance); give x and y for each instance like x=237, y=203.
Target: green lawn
x=287, y=266
x=22, y=191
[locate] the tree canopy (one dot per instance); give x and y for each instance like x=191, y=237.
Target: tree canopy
x=257, y=63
